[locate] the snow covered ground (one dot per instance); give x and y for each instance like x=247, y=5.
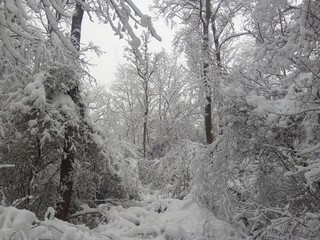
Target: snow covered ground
x=164, y=219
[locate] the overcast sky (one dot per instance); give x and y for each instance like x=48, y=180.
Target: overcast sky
x=103, y=36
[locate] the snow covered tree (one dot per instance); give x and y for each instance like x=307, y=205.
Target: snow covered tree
x=269, y=114
x=127, y=102
x=144, y=64
x=266, y=100
x=176, y=114
x=42, y=108
x=212, y=24
x=286, y=35
x=197, y=15
x=172, y=113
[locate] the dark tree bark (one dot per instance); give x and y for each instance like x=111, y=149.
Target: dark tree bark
x=205, y=72
x=66, y=174
x=76, y=26
x=67, y=161
x=216, y=42
x=145, y=116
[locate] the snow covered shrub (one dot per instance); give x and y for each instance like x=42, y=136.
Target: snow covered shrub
x=94, y=179
x=103, y=174
x=32, y=145
x=298, y=157
x=245, y=168
x=36, y=121
x=171, y=173
x=287, y=176
x=222, y=172
x=128, y=171
x=263, y=168
x=23, y=224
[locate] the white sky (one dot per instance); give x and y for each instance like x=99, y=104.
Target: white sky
x=103, y=36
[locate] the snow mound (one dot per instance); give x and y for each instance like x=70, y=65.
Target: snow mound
x=166, y=219
x=176, y=220
x=15, y=222
x=23, y=225
x=175, y=231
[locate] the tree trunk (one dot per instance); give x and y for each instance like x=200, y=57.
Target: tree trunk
x=217, y=55
x=146, y=115
x=208, y=120
x=216, y=43
x=66, y=174
x=205, y=73
x=67, y=161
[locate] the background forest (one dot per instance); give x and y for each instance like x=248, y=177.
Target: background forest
x=231, y=117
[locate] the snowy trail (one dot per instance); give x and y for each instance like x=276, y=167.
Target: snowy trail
x=165, y=219
x=169, y=219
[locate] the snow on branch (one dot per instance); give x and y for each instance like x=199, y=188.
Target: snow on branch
x=5, y=39
x=124, y=17
x=145, y=19
x=53, y=23
x=33, y=6
x=58, y=6
x=6, y=165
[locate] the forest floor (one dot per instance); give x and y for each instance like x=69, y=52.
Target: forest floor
x=152, y=218
x=166, y=219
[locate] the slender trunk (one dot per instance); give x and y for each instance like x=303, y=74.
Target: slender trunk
x=208, y=120
x=145, y=72
x=217, y=55
x=145, y=122
x=216, y=43
x=67, y=161
x=160, y=104
x=205, y=74
x=145, y=139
